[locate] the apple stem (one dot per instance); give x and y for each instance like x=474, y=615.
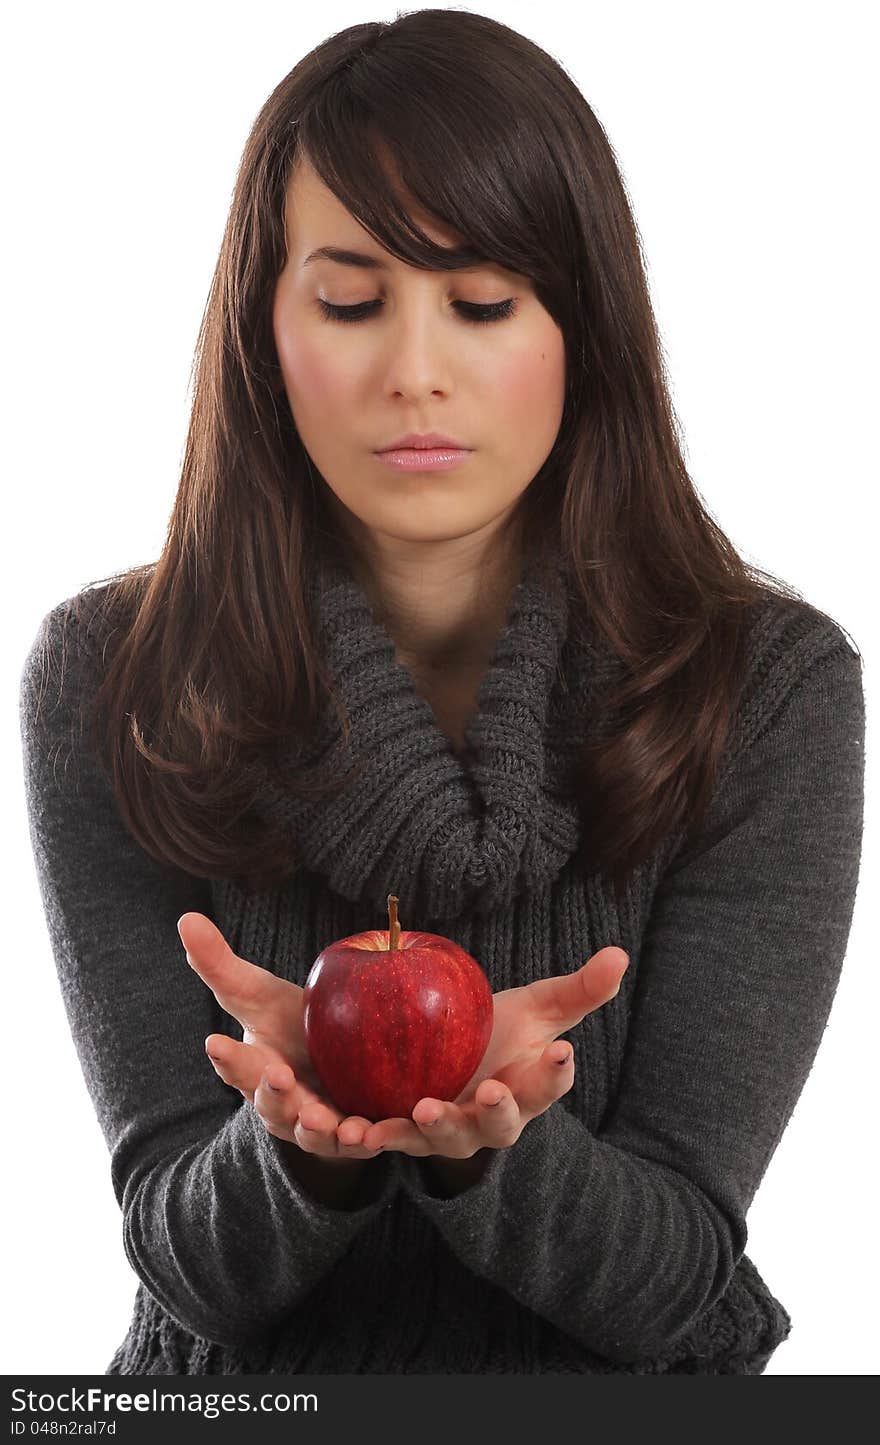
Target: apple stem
x=393, y=925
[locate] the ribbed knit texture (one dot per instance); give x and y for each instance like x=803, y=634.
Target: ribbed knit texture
x=610, y=1238
x=446, y=839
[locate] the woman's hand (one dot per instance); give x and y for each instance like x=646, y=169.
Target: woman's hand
x=522, y=1072
x=273, y=1051
x=519, y=1069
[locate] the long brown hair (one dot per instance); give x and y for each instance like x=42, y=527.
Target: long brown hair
x=214, y=658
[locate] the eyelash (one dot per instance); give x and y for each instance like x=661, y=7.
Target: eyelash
x=475, y=314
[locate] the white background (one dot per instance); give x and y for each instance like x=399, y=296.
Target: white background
x=747, y=140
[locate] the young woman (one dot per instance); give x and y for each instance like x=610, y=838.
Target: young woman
x=439, y=614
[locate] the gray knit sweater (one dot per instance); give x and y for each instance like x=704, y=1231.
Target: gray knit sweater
x=610, y=1237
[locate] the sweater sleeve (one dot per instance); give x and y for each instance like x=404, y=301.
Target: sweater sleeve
x=623, y=1238
x=214, y=1223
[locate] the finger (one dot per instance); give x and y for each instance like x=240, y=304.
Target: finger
x=277, y=1102
x=217, y=1047
x=401, y=1135
x=350, y=1135
x=456, y=1135
x=546, y=1080
x=352, y=1130
x=318, y=1131
x=499, y=1115
x=237, y=1063
x=314, y=1125
x=565, y=999
x=243, y=989
x=312, y=1122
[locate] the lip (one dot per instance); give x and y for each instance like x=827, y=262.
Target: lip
x=424, y=441
x=421, y=459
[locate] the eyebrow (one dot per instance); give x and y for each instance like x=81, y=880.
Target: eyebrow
x=346, y=258
x=375, y=263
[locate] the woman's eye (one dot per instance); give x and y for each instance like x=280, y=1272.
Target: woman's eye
x=469, y=310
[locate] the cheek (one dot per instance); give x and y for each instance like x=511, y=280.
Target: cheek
x=531, y=385
x=312, y=379
x=314, y=375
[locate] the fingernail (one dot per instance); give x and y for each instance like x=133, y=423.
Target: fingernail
x=492, y=1102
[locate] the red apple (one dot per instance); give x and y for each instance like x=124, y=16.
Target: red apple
x=392, y=1016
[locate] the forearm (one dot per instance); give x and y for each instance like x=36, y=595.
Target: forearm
x=215, y=1222
x=617, y=1251
x=224, y=1234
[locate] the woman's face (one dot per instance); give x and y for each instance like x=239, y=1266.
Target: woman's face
x=414, y=363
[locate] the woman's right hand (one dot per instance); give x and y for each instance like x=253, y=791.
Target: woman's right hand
x=273, y=1050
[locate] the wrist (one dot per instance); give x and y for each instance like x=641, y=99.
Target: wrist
x=335, y=1182
x=448, y=1177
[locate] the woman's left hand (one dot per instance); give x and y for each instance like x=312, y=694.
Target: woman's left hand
x=524, y=1069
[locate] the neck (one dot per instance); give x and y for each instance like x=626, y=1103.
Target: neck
x=442, y=603
x=444, y=843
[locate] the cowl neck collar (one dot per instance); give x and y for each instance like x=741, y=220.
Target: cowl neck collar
x=447, y=832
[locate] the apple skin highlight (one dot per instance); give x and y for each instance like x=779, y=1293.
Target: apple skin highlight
x=393, y=1016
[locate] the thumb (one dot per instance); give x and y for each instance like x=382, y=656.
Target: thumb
x=600, y=977
x=243, y=989
x=567, y=998
x=200, y=937
x=614, y=959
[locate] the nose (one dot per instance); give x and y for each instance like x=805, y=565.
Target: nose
x=420, y=348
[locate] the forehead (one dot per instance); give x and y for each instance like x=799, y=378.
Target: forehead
x=315, y=218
